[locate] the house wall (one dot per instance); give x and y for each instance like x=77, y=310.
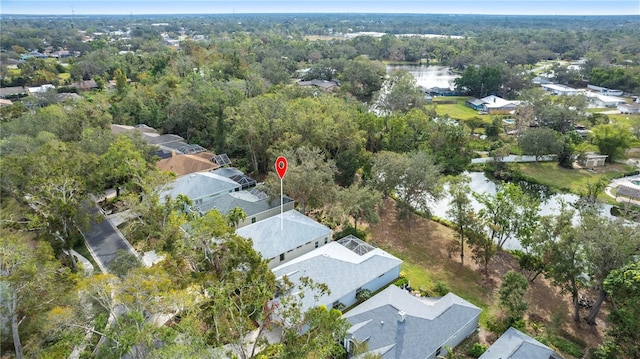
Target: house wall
x=457, y=338
x=297, y=252
x=377, y=283
x=266, y=214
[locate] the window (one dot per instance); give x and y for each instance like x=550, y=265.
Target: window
x=316, y=244
x=281, y=257
x=253, y=219
x=326, y=239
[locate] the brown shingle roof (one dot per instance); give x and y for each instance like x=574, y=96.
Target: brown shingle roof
x=185, y=164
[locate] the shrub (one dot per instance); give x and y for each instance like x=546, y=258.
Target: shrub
x=363, y=295
x=477, y=350
x=441, y=288
x=347, y=230
x=401, y=282
x=340, y=306
x=566, y=346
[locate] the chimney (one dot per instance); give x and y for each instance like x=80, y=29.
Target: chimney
x=401, y=316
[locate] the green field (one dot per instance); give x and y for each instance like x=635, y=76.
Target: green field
x=571, y=180
x=458, y=111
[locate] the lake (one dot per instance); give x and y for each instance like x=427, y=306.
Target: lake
x=428, y=76
x=481, y=184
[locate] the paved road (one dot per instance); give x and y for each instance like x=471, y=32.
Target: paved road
x=104, y=239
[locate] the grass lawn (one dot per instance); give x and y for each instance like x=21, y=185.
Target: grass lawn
x=625, y=119
x=64, y=76
x=459, y=111
x=572, y=180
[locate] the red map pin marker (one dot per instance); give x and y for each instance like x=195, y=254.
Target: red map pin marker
x=281, y=166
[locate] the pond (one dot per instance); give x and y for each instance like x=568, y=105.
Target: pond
x=428, y=76
x=550, y=203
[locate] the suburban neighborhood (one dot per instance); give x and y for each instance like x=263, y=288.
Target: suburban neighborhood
x=319, y=185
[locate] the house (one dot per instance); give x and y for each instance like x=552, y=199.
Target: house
x=12, y=92
x=558, y=89
x=323, y=84
x=442, y=91
x=142, y=128
x=600, y=100
x=396, y=324
x=4, y=102
x=255, y=204
x=185, y=164
x=40, y=89
x=497, y=105
x=604, y=90
x=513, y=344
x=346, y=267
x=85, y=85
x=202, y=186
x=591, y=160
x=286, y=236
x=474, y=103
x=630, y=108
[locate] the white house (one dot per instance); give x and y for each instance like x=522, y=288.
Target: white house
x=346, y=266
x=600, y=100
x=395, y=324
x=630, y=108
x=592, y=160
x=497, y=105
x=558, y=89
x=513, y=344
x=286, y=236
x=604, y=90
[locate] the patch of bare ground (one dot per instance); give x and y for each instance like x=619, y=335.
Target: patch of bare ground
x=424, y=243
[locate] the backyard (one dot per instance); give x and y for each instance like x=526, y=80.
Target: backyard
x=422, y=245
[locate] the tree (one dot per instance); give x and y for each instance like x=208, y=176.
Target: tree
x=479, y=81
x=419, y=183
x=612, y=140
x=564, y=253
x=512, y=290
x=362, y=77
x=309, y=179
x=235, y=216
x=482, y=246
x=510, y=213
x=122, y=163
x=609, y=244
x=34, y=282
x=399, y=93
x=623, y=285
x=360, y=203
x=539, y=141
x=460, y=209
x=387, y=171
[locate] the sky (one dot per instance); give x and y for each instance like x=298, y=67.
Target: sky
x=495, y=7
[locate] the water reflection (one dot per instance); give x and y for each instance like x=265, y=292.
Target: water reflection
x=550, y=203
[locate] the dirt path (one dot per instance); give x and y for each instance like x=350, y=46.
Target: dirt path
x=425, y=243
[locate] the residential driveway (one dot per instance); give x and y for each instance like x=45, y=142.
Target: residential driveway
x=104, y=239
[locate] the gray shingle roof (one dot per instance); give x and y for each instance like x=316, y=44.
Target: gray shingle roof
x=627, y=191
x=341, y=269
x=513, y=344
x=249, y=203
x=428, y=322
x=202, y=184
x=297, y=229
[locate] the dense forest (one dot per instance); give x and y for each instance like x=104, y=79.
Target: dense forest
x=228, y=83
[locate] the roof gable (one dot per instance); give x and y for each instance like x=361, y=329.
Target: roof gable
x=270, y=239
x=513, y=344
x=185, y=164
x=341, y=269
x=202, y=184
x=428, y=322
